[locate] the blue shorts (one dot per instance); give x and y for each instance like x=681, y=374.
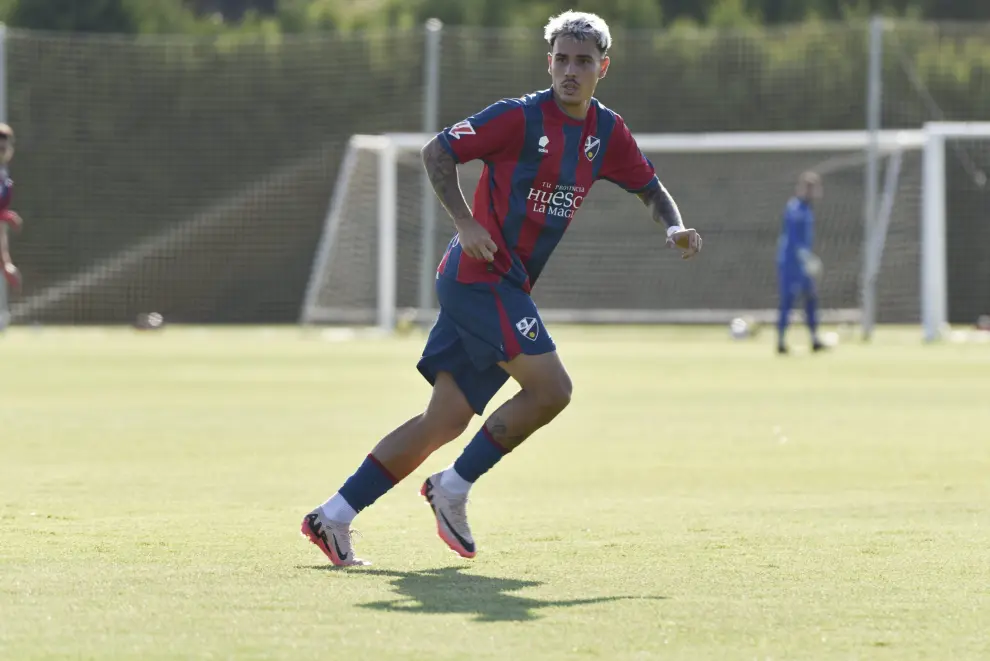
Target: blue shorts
x=480, y=325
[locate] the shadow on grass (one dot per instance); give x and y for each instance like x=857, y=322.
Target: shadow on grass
x=448, y=590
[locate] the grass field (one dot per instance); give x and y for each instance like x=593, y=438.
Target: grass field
x=700, y=499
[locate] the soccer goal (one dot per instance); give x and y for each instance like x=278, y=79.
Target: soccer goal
x=379, y=247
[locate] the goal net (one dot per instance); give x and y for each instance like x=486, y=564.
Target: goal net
x=611, y=266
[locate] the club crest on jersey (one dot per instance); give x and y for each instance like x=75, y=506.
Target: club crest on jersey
x=460, y=128
x=591, y=146
x=528, y=327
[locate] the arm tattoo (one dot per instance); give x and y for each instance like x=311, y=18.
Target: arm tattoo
x=441, y=168
x=663, y=207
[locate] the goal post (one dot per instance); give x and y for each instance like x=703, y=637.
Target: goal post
x=966, y=145
x=347, y=225
x=373, y=257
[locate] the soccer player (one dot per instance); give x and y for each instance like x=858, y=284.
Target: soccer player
x=797, y=265
x=8, y=218
x=541, y=155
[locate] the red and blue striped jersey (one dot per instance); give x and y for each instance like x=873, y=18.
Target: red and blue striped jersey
x=6, y=189
x=6, y=195
x=539, y=165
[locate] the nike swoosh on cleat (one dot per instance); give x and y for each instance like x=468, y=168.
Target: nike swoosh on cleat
x=468, y=546
x=340, y=554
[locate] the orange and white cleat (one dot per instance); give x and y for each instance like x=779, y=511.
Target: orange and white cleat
x=450, y=511
x=331, y=537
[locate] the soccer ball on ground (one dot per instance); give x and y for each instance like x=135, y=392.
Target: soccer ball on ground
x=743, y=328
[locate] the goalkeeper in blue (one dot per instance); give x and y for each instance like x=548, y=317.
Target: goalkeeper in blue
x=797, y=266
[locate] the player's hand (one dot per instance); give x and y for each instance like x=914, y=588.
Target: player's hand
x=11, y=275
x=688, y=240
x=810, y=263
x=476, y=241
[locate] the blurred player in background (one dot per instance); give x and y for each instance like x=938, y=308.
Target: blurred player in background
x=542, y=153
x=797, y=266
x=8, y=219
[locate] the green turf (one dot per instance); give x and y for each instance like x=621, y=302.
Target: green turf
x=700, y=499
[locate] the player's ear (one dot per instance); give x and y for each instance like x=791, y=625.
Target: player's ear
x=550, y=63
x=604, y=70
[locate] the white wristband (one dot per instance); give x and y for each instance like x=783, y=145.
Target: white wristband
x=673, y=230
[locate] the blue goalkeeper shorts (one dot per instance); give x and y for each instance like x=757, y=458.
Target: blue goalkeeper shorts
x=480, y=325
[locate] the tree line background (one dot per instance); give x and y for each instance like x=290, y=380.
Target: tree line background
x=233, y=131
x=293, y=16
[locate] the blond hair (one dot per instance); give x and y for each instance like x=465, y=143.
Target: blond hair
x=580, y=26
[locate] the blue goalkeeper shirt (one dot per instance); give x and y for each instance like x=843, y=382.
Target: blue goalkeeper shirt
x=795, y=235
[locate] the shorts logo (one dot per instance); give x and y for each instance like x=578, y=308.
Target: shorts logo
x=528, y=327
x=460, y=128
x=591, y=146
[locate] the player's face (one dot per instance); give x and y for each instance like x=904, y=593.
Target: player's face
x=576, y=67
x=810, y=191
x=6, y=146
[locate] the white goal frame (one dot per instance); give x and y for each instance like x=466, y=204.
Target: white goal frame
x=931, y=140
x=934, y=262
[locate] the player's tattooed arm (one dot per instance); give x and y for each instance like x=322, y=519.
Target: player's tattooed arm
x=7, y=269
x=663, y=207
x=441, y=168
x=665, y=210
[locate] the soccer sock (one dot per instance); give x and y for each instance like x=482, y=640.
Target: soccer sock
x=811, y=314
x=451, y=481
x=478, y=457
x=338, y=509
x=369, y=482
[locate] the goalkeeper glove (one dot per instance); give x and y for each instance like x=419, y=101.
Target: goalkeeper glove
x=811, y=264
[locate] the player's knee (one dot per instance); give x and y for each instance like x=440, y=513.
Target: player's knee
x=457, y=426
x=446, y=418
x=449, y=413
x=554, y=394
x=445, y=426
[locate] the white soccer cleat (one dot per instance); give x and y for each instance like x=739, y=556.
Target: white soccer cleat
x=331, y=537
x=451, y=514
